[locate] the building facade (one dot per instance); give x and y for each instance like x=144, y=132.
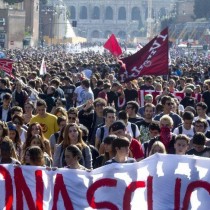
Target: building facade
x=127, y=19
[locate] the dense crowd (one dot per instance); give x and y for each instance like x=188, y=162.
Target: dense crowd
x=78, y=115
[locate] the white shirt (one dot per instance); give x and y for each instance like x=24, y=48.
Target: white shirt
x=189, y=133
x=129, y=130
x=4, y=114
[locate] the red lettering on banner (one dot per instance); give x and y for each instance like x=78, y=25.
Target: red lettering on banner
x=22, y=187
x=8, y=188
x=177, y=194
x=128, y=193
x=91, y=191
x=150, y=193
x=60, y=187
x=191, y=187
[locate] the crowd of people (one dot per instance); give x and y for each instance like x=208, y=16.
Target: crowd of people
x=79, y=116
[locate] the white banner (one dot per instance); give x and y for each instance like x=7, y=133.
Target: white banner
x=160, y=182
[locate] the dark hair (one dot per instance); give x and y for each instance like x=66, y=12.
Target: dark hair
x=122, y=115
x=76, y=152
x=199, y=138
x=202, y=105
x=200, y=120
x=20, y=119
x=109, y=139
x=36, y=155
x=86, y=83
x=5, y=128
x=7, y=96
x=188, y=115
x=120, y=142
x=134, y=105
x=164, y=99
x=41, y=102
x=16, y=109
x=154, y=126
x=61, y=119
x=107, y=110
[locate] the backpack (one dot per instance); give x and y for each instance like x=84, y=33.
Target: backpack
x=102, y=133
x=133, y=128
x=180, y=129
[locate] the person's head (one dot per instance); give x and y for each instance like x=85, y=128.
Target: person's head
x=72, y=155
x=72, y=115
x=158, y=87
x=13, y=133
x=148, y=98
x=109, y=114
x=123, y=115
x=37, y=140
x=188, y=92
x=99, y=105
x=158, y=109
x=190, y=109
x=17, y=120
x=60, y=111
x=171, y=83
x=61, y=121
x=7, y=98
x=41, y=107
x=149, y=110
x=154, y=129
x=200, y=125
x=85, y=83
x=51, y=90
x=167, y=103
x=120, y=146
x=199, y=141
x=26, y=157
x=188, y=119
x=55, y=82
x=28, y=107
x=85, y=132
x=157, y=147
x=148, y=80
x=108, y=143
x=6, y=148
x=60, y=102
x=201, y=108
x=72, y=135
x=107, y=87
x=16, y=110
x=36, y=156
x=166, y=122
x=117, y=128
x=181, y=144
x=132, y=107
x=3, y=129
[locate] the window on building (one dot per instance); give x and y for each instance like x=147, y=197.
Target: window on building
x=72, y=12
x=121, y=34
x=95, y=34
x=135, y=15
x=96, y=13
x=109, y=13
x=107, y=34
x=122, y=13
x=83, y=12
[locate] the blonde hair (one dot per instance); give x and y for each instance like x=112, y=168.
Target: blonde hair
x=157, y=144
x=167, y=118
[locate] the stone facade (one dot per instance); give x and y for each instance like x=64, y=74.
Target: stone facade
x=97, y=19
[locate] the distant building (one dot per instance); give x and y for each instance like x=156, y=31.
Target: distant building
x=127, y=19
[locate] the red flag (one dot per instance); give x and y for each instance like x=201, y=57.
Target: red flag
x=152, y=59
x=113, y=46
x=6, y=65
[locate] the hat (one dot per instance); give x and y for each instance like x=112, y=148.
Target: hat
x=117, y=125
x=148, y=97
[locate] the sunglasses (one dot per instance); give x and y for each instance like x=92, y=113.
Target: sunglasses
x=72, y=118
x=169, y=104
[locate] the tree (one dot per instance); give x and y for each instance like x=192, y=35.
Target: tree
x=202, y=9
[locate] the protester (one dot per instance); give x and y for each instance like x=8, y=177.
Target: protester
x=181, y=144
x=157, y=147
